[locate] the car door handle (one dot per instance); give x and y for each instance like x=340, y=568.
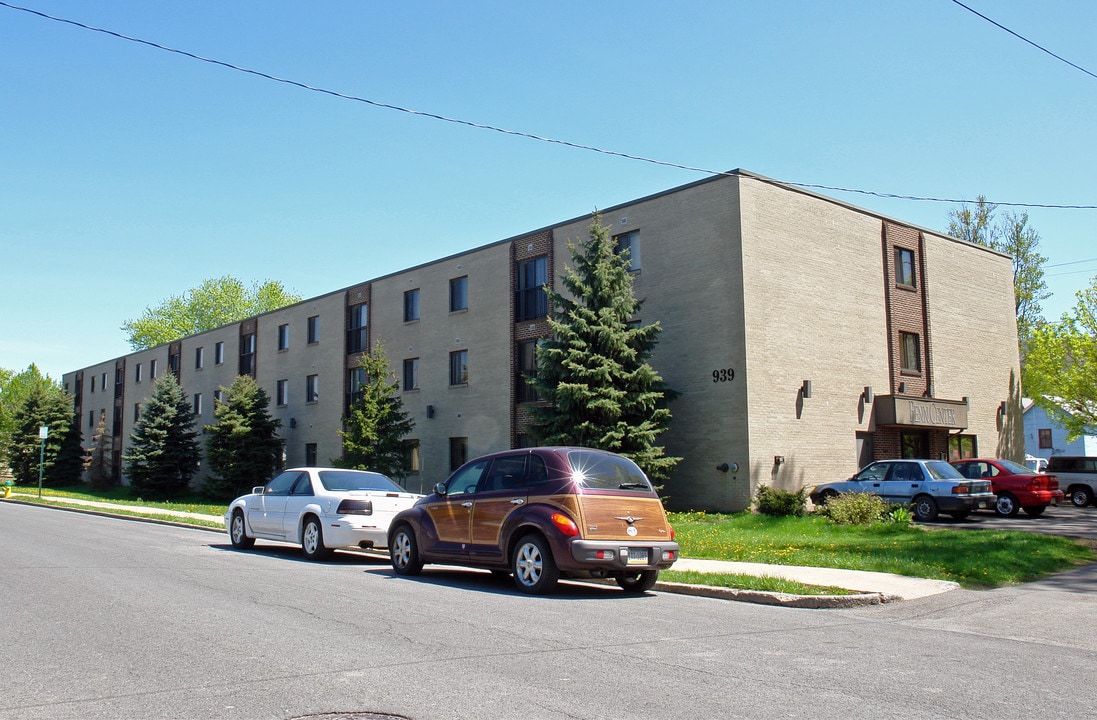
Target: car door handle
x=518, y=501
x=466, y=504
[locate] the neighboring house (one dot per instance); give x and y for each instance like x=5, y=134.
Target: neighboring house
x=804, y=336
x=1045, y=436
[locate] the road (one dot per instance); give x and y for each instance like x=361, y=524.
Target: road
x=111, y=618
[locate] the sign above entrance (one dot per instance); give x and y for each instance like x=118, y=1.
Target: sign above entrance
x=899, y=410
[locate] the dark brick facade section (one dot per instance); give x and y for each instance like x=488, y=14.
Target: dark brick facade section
x=116, y=431
x=522, y=249
x=355, y=296
x=906, y=311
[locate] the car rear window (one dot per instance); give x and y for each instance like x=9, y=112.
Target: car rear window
x=941, y=470
x=606, y=472
x=336, y=480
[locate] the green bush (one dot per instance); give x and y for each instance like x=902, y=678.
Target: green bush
x=855, y=509
x=780, y=503
x=900, y=515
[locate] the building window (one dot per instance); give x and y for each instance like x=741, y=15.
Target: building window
x=459, y=367
x=136, y=412
x=1045, y=438
x=310, y=454
x=152, y=371
x=527, y=368
x=218, y=396
x=313, y=330
x=962, y=447
x=312, y=388
x=411, y=305
x=911, y=359
x=199, y=358
x=459, y=294
x=628, y=245
x=281, y=393
x=530, y=299
x=411, y=374
x=458, y=452
x=103, y=384
x=91, y=418
x=904, y=267
x=93, y=383
x=411, y=456
x=283, y=337
x=137, y=373
x=197, y=403
x=357, y=325
x=219, y=353
x=356, y=378
x=247, y=354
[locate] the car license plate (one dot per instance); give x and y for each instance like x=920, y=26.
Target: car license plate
x=638, y=556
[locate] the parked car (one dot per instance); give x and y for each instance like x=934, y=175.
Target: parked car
x=541, y=514
x=320, y=509
x=1036, y=464
x=1016, y=486
x=1077, y=476
x=929, y=487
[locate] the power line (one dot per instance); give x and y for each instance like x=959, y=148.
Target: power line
x=504, y=131
x=1025, y=39
x=1073, y=262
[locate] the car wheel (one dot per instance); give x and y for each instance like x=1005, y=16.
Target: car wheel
x=535, y=571
x=1035, y=510
x=1080, y=496
x=312, y=540
x=826, y=496
x=404, y=552
x=638, y=582
x=238, y=532
x=924, y=508
x=1007, y=505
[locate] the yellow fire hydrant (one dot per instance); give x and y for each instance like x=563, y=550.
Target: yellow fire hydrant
x=7, y=488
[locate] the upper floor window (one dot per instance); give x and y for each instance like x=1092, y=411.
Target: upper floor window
x=247, y=354
x=356, y=379
x=411, y=305
x=199, y=358
x=1045, y=438
x=197, y=403
x=459, y=294
x=313, y=330
x=911, y=356
x=281, y=392
x=219, y=353
x=137, y=372
x=527, y=368
x=628, y=244
x=312, y=388
x=531, y=301
x=459, y=367
x=283, y=337
x=411, y=374
x=93, y=383
x=152, y=371
x=904, y=267
x=357, y=326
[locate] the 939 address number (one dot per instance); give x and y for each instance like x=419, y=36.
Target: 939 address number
x=723, y=375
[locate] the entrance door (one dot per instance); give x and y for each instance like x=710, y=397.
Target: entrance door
x=915, y=445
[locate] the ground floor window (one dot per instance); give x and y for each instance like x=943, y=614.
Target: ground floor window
x=915, y=445
x=962, y=447
x=310, y=454
x=458, y=452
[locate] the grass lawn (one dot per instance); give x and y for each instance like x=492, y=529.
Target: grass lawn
x=973, y=558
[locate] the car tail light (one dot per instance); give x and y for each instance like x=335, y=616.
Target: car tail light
x=961, y=490
x=671, y=527
x=565, y=524
x=669, y=556
x=355, y=507
x=1052, y=482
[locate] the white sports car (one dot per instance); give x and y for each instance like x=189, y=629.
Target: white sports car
x=320, y=509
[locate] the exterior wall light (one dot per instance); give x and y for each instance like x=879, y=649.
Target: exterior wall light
x=867, y=394
x=778, y=459
x=805, y=389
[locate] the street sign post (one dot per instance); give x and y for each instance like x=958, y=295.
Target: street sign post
x=43, y=433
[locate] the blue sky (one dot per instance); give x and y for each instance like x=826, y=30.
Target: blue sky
x=129, y=174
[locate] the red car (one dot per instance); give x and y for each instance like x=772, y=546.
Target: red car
x=1017, y=487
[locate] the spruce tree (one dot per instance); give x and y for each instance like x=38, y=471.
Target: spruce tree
x=99, y=465
x=164, y=451
x=376, y=422
x=242, y=448
x=594, y=372
x=44, y=405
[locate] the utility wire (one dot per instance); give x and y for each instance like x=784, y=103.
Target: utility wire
x=1025, y=39
x=516, y=133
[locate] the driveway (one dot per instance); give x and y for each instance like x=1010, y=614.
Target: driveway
x=1065, y=520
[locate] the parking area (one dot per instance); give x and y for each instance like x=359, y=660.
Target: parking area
x=1064, y=520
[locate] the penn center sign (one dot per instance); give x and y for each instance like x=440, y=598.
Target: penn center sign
x=898, y=410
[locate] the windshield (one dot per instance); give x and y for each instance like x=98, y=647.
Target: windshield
x=606, y=472
x=941, y=470
x=343, y=480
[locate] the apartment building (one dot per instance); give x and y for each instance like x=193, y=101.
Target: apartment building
x=804, y=335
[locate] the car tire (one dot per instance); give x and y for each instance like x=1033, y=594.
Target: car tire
x=638, y=582
x=535, y=572
x=1080, y=496
x=1006, y=505
x=404, y=552
x=924, y=508
x=238, y=532
x=826, y=496
x=312, y=540
x=1035, y=510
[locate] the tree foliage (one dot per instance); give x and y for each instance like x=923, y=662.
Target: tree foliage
x=1013, y=236
x=45, y=405
x=601, y=392
x=164, y=453
x=1061, y=373
x=242, y=448
x=376, y=423
x=214, y=303
x=15, y=388
x=100, y=476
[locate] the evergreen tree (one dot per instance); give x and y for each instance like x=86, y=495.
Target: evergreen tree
x=99, y=465
x=376, y=423
x=594, y=370
x=243, y=448
x=68, y=467
x=14, y=390
x=164, y=451
x=44, y=405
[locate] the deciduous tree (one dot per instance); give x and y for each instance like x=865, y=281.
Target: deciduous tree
x=164, y=452
x=242, y=448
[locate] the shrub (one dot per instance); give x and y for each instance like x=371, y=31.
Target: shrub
x=855, y=509
x=900, y=515
x=780, y=503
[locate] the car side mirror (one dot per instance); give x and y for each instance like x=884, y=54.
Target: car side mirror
x=258, y=489
x=440, y=489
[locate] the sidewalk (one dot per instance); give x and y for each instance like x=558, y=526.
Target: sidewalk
x=872, y=587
